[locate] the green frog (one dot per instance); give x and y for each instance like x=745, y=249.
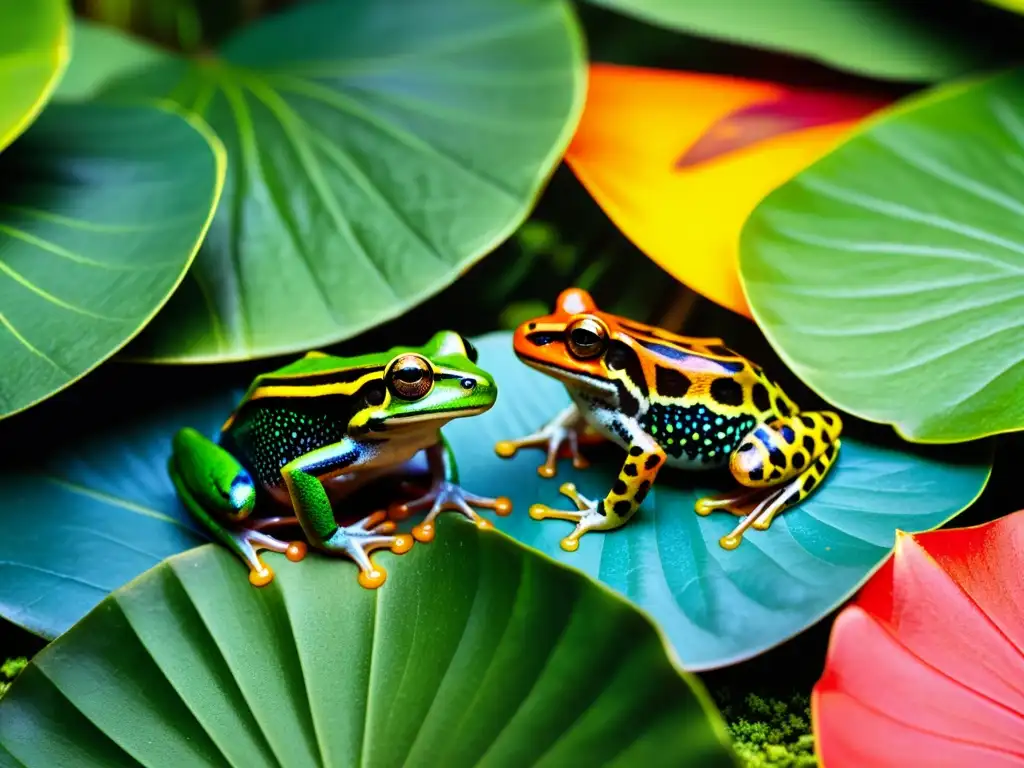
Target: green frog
x=674, y=401
x=323, y=426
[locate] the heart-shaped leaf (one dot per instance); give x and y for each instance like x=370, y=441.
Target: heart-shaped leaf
x=106, y=493
x=102, y=210
x=717, y=607
x=876, y=39
x=33, y=55
x=928, y=660
x=678, y=160
x=475, y=652
x=890, y=274
x=102, y=54
x=377, y=149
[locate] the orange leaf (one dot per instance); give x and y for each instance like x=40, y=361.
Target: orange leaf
x=679, y=160
x=927, y=666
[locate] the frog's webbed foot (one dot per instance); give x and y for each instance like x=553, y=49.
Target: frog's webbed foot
x=589, y=516
x=737, y=503
x=772, y=501
x=781, y=463
x=561, y=434
x=552, y=439
x=248, y=542
x=359, y=539
x=445, y=495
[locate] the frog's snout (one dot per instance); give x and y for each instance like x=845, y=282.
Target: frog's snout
x=479, y=389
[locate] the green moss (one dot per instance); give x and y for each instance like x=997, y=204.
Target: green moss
x=9, y=670
x=770, y=732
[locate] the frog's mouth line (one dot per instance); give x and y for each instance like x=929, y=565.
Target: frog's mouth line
x=436, y=415
x=564, y=374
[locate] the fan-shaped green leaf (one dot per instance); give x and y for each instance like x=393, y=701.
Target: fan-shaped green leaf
x=33, y=55
x=377, y=149
x=875, y=39
x=890, y=274
x=475, y=652
x=102, y=210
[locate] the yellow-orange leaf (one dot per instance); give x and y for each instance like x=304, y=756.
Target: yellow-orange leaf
x=678, y=160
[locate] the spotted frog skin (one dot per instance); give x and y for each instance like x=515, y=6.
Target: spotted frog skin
x=684, y=402
x=327, y=422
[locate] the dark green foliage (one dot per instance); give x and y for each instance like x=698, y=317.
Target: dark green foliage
x=9, y=670
x=769, y=731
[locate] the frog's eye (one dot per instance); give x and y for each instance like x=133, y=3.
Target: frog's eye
x=410, y=377
x=587, y=338
x=471, y=352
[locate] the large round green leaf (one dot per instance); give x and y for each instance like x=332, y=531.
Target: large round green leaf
x=717, y=607
x=475, y=652
x=377, y=149
x=890, y=274
x=876, y=39
x=106, y=493
x=102, y=209
x=101, y=54
x=33, y=54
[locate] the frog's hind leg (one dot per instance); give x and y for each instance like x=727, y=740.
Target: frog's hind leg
x=781, y=499
x=219, y=493
x=316, y=515
x=779, y=464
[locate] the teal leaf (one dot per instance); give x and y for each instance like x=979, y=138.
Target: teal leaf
x=83, y=516
x=717, y=607
x=377, y=149
x=475, y=652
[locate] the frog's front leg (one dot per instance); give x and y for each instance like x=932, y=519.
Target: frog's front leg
x=613, y=511
x=781, y=463
x=316, y=516
x=446, y=494
x=563, y=431
x=219, y=493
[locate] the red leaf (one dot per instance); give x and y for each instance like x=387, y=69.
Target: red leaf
x=927, y=666
x=678, y=160
x=785, y=112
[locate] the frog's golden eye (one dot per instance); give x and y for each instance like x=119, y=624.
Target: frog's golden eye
x=410, y=377
x=586, y=338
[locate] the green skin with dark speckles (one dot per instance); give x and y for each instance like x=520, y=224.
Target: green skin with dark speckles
x=315, y=419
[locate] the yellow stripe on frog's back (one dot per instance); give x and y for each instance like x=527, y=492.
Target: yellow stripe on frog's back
x=275, y=386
